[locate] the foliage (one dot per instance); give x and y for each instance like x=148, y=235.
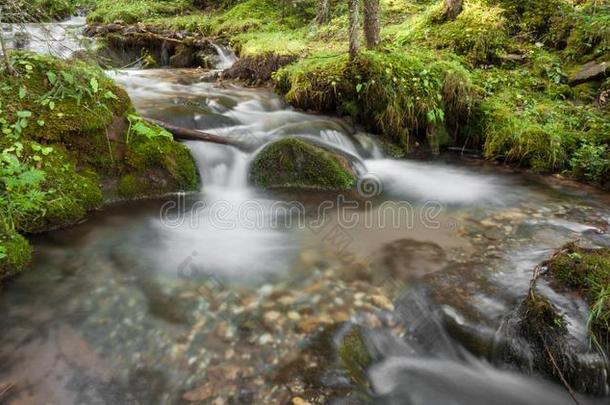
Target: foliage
x=591, y=163
x=587, y=271
x=108, y=11
x=480, y=32
x=64, y=128
x=392, y=93
x=590, y=36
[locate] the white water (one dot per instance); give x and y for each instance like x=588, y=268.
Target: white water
x=226, y=57
x=57, y=39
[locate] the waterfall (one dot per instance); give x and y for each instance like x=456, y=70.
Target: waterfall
x=226, y=57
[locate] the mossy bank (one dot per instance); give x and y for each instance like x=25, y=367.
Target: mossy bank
x=523, y=82
x=70, y=141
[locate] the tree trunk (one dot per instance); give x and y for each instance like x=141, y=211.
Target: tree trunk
x=322, y=10
x=453, y=8
x=354, y=36
x=371, y=23
x=7, y=62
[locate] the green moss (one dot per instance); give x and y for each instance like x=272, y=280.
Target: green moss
x=293, y=162
x=108, y=11
x=529, y=115
x=164, y=155
x=393, y=93
x=480, y=32
x=15, y=253
x=354, y=355
x=590, y=35
x=587, y=271
x=65, y=134
x=534, y=18
x=540, y=320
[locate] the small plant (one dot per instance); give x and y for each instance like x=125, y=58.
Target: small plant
x=591, y=163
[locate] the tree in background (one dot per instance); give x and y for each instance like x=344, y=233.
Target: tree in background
x=354, y=34
x=371, y=23
x=452, y=9
x=322, y=11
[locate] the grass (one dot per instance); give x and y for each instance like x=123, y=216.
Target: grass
x=494, y=79
x=65, y=134
x=587, y=271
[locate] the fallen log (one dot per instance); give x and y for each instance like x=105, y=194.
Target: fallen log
x=189, y=134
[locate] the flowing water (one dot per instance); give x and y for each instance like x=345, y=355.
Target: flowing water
x=57, y=39
x=211, y=294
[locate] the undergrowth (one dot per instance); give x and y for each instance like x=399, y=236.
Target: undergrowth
x=64, y=136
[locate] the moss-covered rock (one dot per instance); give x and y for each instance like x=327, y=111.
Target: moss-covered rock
x=69, y=136
x=295, y=163
x=15, y=253
x=543, y=334
x=588, y=272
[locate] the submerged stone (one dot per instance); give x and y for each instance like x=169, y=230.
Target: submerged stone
x=295, y=163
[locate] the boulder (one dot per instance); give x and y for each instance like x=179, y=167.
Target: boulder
x=590, y=72
x=295, y=163
x=551, y=332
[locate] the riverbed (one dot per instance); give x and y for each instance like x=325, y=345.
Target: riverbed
x=209, y=296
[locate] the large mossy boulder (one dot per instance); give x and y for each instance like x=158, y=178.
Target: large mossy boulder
x=295, y=163
x=70, y=141
x=545, y=333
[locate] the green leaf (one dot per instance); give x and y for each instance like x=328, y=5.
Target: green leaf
x=110, y=96
x=359, y=87
x=52, y=77
x=94, y=84
x=40, y=123
x=22, y=92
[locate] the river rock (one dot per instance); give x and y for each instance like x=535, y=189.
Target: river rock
x=295, y=163
x=589, y=72
x=549, y=332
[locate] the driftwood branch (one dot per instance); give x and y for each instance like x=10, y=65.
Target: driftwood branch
x=189, y=134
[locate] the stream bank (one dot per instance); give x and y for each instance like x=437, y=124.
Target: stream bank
x=137, y=306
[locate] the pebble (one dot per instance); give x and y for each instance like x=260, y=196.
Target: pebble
x=382, y=301
x=265, y=339
x=299, y=401
x=293, y=316
x=271, y=318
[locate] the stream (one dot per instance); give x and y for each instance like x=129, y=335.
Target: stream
x=207, y=296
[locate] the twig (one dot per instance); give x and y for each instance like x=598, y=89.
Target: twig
x=556, y=367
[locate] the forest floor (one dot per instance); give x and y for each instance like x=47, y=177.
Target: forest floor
x=524, y=84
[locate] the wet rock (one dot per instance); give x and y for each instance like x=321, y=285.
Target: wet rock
x=184, y=57
x=549, y=332
x=295, y=163
x=257, y=69
x=589, y=72
x=382, y=301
